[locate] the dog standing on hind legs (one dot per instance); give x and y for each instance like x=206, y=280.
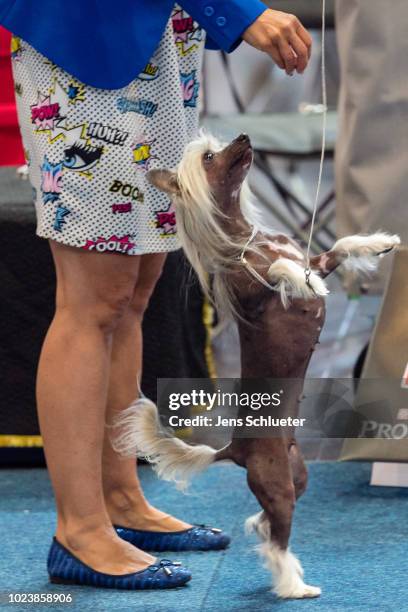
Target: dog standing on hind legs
x=259, y=278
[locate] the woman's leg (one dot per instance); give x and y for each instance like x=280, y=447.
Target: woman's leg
x=124, y=498
x=93, y=291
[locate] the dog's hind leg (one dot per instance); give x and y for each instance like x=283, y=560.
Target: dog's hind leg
x=299, y=470
x=270, y=479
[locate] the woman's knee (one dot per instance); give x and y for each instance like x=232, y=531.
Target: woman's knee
x=150, y=273
x=140, y=301
x=103, y=312
x=95, y=291
x=109, y=312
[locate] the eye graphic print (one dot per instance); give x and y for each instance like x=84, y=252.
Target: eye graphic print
x=81, y=157
x=208, y=156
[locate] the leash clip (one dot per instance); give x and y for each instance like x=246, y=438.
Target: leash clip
x=308, y=272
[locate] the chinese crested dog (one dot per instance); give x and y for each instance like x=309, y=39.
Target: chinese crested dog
x=260, y=278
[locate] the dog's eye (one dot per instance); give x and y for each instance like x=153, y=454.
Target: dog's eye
x=208, y=156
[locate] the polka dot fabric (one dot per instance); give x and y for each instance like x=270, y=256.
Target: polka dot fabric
x=89, y=149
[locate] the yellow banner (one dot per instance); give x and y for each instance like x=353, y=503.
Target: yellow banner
x=11, y=441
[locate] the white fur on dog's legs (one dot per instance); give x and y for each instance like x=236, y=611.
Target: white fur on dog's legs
x=287, y=573
x=286, y=569
x=289, y=279
x=360, y=253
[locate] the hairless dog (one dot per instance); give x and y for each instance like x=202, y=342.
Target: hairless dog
x=260, y=278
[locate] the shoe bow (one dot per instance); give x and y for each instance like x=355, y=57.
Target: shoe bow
x=164, y=564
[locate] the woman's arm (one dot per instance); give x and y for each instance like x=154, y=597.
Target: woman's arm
x=279, y=34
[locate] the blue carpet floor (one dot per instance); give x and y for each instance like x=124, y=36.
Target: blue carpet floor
x=352, y=540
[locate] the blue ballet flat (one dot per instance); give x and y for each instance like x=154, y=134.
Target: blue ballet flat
x=198, y=537
x=65, y=568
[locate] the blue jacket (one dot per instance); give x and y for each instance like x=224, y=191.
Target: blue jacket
x=106, y=43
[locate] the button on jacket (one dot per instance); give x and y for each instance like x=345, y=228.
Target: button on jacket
x=107, y=43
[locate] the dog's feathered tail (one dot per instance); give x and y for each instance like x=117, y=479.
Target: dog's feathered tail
x=138, y=433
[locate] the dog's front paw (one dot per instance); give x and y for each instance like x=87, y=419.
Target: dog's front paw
x=390, y=248
x=298, y=567
x=300, y=591
x=309, y=591
x=387, y=244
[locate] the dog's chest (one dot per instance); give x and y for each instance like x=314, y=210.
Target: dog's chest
x=278, y=342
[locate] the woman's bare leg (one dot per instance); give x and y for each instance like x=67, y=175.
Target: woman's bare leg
x=125, y=501
x=93, y=291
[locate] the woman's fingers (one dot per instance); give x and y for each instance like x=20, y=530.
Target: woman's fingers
x=276, y=56
x=289, y=57
x=283, y=37
x=301, y=51
x=306, y=39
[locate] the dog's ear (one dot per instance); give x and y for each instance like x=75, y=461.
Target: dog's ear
x=165, y=180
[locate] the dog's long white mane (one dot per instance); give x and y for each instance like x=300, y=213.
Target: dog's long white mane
x=206, y=244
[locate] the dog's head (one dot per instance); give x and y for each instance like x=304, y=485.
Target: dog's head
x=209, y=170
x=212, y=204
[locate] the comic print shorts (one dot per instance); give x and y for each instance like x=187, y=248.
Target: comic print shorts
x=89, y=149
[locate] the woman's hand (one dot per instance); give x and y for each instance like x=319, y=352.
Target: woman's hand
x=283, y=37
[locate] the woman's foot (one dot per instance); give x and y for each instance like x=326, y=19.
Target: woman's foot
x=129, y=509
x=65, y=568
x=148, y=528
x=102, y=550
